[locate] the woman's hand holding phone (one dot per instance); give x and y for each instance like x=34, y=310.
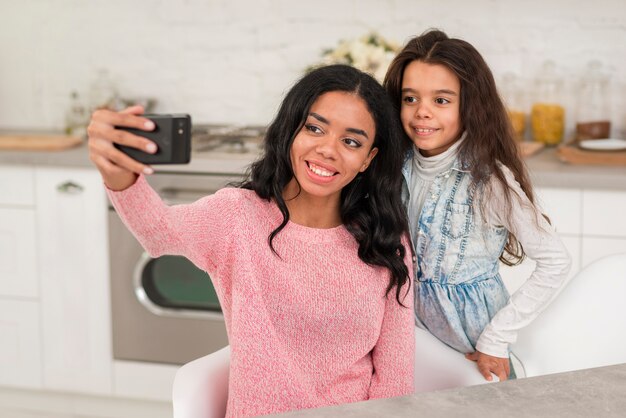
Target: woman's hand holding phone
x=118, y=170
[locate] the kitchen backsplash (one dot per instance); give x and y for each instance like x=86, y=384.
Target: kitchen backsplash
x=228, y=61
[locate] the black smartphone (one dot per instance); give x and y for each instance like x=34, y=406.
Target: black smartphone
x=172, y=135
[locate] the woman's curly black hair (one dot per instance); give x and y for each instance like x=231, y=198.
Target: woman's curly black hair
x=371, y=207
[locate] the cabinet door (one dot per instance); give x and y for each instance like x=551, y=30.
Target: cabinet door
x=563, y=207
x=18, y=253
x=603, y=213
x=20, y=344
x=71, y=208
x=17, y=186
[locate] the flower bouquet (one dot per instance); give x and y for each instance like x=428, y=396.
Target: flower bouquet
x=370, y=53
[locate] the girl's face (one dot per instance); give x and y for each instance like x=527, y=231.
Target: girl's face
x=430, y=111
x=333, y=146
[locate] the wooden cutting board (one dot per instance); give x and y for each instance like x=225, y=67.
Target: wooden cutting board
x=572, y=154
x=21, y=142
x=530, y=148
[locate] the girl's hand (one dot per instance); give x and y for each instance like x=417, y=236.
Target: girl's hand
x=489, y=364
x=118, y=170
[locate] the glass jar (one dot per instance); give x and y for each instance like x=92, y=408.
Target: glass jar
x=593, y=104
x=513, y=97
x=547, y=113
x=76, y=117
x=102, y=91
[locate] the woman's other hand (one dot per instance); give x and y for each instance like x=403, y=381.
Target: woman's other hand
x=118, y=170
x=489, y=364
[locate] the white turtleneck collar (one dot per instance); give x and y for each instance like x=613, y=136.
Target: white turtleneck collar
x=428, y=167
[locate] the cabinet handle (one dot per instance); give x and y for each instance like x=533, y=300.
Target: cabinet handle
x=69, y=187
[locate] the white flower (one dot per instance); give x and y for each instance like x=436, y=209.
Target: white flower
x=370, y=53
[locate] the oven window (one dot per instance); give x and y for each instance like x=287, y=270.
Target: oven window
x=174, y=282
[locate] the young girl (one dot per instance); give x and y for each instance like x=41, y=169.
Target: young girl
x=470, y=204
x=307, y=257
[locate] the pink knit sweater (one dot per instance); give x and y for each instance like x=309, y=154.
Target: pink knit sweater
x=309, y=329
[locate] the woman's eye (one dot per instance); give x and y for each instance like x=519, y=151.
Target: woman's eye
x=351, y=142
x=313, y=128
x=441, y=100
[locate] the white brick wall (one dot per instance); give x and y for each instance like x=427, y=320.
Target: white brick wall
x=232, y=60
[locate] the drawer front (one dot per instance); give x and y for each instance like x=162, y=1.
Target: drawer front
x=17, y=186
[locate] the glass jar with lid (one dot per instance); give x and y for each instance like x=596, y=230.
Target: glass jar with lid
x=513, y=96
x=547, y=112
x=593, y=104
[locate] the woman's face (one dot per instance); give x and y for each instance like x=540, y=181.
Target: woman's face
x=333, y=146
x=430, y=110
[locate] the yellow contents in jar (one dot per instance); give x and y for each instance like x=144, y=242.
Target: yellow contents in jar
x=547, y=122
x=518, y=120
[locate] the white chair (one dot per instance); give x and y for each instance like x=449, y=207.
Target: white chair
x=200, y=388
x=584, y=327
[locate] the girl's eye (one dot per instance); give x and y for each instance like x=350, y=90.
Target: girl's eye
x=409, y=99
x=441, y=100
x=351, y=142
x=313, y=128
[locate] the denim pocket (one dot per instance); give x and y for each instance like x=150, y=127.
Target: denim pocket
x=458, y=220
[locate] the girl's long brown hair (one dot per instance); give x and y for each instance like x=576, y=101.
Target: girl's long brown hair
x=490, y=139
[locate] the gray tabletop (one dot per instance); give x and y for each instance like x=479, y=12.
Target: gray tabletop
x=599, y=392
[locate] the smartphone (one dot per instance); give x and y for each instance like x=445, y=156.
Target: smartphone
x=172, y=135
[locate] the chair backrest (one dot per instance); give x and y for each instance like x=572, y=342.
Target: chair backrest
x=584, y=327
x=200, y=387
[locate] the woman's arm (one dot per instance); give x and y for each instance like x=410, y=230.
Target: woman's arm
x=393, y=356
x=542, y=244
x=194, y=231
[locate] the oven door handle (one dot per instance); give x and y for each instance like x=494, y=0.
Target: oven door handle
x=143, y=298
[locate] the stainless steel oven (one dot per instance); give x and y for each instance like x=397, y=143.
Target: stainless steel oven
x=165, y=309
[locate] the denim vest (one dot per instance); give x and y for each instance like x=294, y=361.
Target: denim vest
x=458, y=289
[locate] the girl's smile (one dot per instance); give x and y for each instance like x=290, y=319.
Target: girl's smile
x=430, y=110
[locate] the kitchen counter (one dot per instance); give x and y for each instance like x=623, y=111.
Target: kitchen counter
x=599, y=392
x=545, y=169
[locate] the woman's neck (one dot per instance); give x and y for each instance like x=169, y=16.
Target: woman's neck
x=311, y=211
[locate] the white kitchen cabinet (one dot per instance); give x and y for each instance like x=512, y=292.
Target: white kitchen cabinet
x=18, y=254
x=604, y=213
x=74, y=273
x=20, y=344
x=17, y=186
x=563, y=207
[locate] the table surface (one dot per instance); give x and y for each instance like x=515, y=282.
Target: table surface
x=599, y=392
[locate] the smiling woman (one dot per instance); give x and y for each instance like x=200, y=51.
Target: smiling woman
x=333, y=147
x=309, y=257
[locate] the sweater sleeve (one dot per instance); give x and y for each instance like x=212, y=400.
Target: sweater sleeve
x=393, y=356
x=541, y=244
x=197, y=231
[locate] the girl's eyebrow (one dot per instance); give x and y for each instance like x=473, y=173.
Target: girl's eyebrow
x=353, y=130
x=440, y=91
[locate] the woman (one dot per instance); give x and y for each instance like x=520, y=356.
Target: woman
x=309, y=257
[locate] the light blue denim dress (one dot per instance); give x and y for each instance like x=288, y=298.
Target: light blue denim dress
x=458, y=289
